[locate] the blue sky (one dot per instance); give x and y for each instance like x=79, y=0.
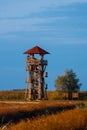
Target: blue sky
x=59, y=27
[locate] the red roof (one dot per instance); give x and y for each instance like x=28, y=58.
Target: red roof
x=36, y=50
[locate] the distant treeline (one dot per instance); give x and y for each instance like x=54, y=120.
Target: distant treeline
x=52, y=95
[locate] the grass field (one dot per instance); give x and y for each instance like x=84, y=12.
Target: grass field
x=19, y=95
x=55, y=114
x=68, y=120
x=31, y=115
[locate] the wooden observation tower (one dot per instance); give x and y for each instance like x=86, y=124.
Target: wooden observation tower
x=36, y=66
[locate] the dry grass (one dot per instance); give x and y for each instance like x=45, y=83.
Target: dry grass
x=19, y=95
x=12, y=95
x=68, y=120
x=9, y=107
x=15, y=111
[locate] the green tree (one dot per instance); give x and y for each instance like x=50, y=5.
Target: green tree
x=68, y=82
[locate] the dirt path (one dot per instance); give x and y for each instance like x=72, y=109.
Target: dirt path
x=19, y=102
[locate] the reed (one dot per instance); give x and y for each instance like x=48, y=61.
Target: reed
x=67, y=120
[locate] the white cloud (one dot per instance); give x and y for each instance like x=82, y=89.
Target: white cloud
x=31, y=24
x=26, y=7
x=16, y=16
